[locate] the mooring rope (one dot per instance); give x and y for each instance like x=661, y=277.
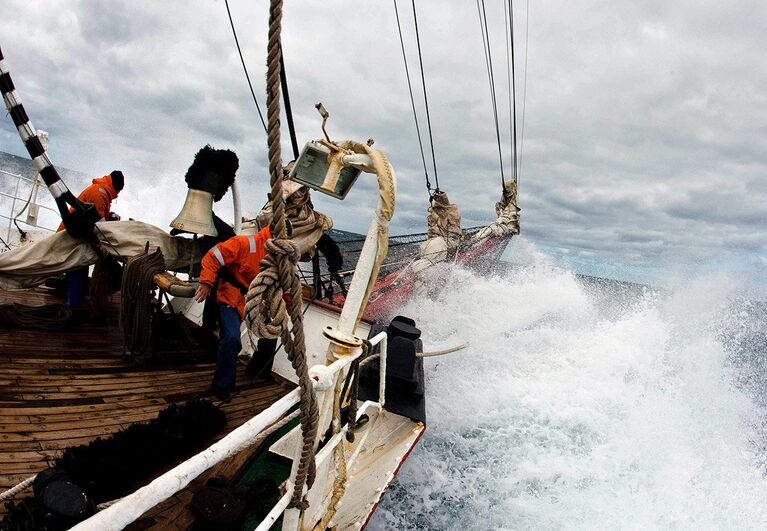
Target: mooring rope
x=265, y=308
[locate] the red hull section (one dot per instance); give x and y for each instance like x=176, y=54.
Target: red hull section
x=394, y=288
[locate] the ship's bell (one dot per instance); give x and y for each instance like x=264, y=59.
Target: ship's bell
x=197, y=214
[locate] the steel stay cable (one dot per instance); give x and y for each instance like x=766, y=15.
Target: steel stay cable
x=508, y=80
x=513, y=92
x=245, y=68
x=524, y=85
x=491, y=79
x=412, y=99
x=425, y=98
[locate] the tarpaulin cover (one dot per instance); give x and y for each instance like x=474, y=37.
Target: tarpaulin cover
x=29, y=265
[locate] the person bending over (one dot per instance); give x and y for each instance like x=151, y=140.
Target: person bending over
x=234, y=264
x=101, y=193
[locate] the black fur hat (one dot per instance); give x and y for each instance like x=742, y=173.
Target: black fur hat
x=213, y=170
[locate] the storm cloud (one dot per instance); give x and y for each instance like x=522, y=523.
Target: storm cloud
x=644, y=134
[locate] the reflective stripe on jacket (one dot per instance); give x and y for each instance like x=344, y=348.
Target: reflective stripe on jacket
x=240, y=256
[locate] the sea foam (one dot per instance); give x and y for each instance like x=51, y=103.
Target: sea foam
x=586, y=405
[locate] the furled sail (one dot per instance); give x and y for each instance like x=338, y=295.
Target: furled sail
x=507, y=210
x=308, y=224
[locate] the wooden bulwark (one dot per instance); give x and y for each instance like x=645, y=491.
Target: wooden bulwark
x=64, y=388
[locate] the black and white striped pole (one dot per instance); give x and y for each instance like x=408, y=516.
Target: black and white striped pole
x=81, y=221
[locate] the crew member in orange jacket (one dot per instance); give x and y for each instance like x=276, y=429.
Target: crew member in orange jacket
x=101, y=193
x=234, y=264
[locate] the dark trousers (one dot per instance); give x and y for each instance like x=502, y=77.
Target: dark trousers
x=229, y=347
x=76, y=281
x=261, y=362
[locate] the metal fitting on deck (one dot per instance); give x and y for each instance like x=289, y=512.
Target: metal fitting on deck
x=341, y=344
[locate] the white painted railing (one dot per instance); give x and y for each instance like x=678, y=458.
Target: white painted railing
x=131, y=507
x=16, y=199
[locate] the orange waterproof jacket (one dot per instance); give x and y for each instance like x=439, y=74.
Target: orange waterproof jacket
x=240, y=256
x=100, y=193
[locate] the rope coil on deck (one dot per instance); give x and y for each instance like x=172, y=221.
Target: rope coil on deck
x=137, y=290
x=266, y=312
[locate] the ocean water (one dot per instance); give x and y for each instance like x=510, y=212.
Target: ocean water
x=588, y=405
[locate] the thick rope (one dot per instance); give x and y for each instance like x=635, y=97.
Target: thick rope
x=441, y=352
x=387, y=195
x=137, y=290
x=339, y=482
x=52, y=317
x=10, y=493
x=265, y=308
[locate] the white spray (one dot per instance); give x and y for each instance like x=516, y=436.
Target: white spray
x=581, y=406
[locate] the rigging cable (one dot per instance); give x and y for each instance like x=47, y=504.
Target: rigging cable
x=508, y=15
x=491, y=78
x=512, y=140
x=412, y=100
x=524, y=85
x=425, y=99
x=513, y=92
x=242, y=60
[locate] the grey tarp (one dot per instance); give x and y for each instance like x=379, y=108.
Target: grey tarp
x=29, y=265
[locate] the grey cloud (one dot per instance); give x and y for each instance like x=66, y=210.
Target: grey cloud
x=644, y=139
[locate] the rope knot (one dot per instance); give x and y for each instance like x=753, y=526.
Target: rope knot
x=283, y=248
x=302, y=504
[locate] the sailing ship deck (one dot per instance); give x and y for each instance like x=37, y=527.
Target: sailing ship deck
x=65, y=388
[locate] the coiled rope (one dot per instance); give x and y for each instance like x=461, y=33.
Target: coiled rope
x=51, y=317
x=137, y=289
x=265, y=308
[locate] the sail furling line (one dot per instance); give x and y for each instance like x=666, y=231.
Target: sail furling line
x=412, y=99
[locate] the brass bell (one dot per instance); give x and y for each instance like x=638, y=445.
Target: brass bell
x=197, y=214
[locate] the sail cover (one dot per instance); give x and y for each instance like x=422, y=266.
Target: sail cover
x=444, y=219
x=507, y=211
x=29, y=265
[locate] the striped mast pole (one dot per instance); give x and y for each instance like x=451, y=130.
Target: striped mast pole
x=78, y=223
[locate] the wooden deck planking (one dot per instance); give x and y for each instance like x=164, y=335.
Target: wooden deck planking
x=63, y=388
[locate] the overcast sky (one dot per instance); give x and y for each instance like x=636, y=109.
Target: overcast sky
x=645, y=129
